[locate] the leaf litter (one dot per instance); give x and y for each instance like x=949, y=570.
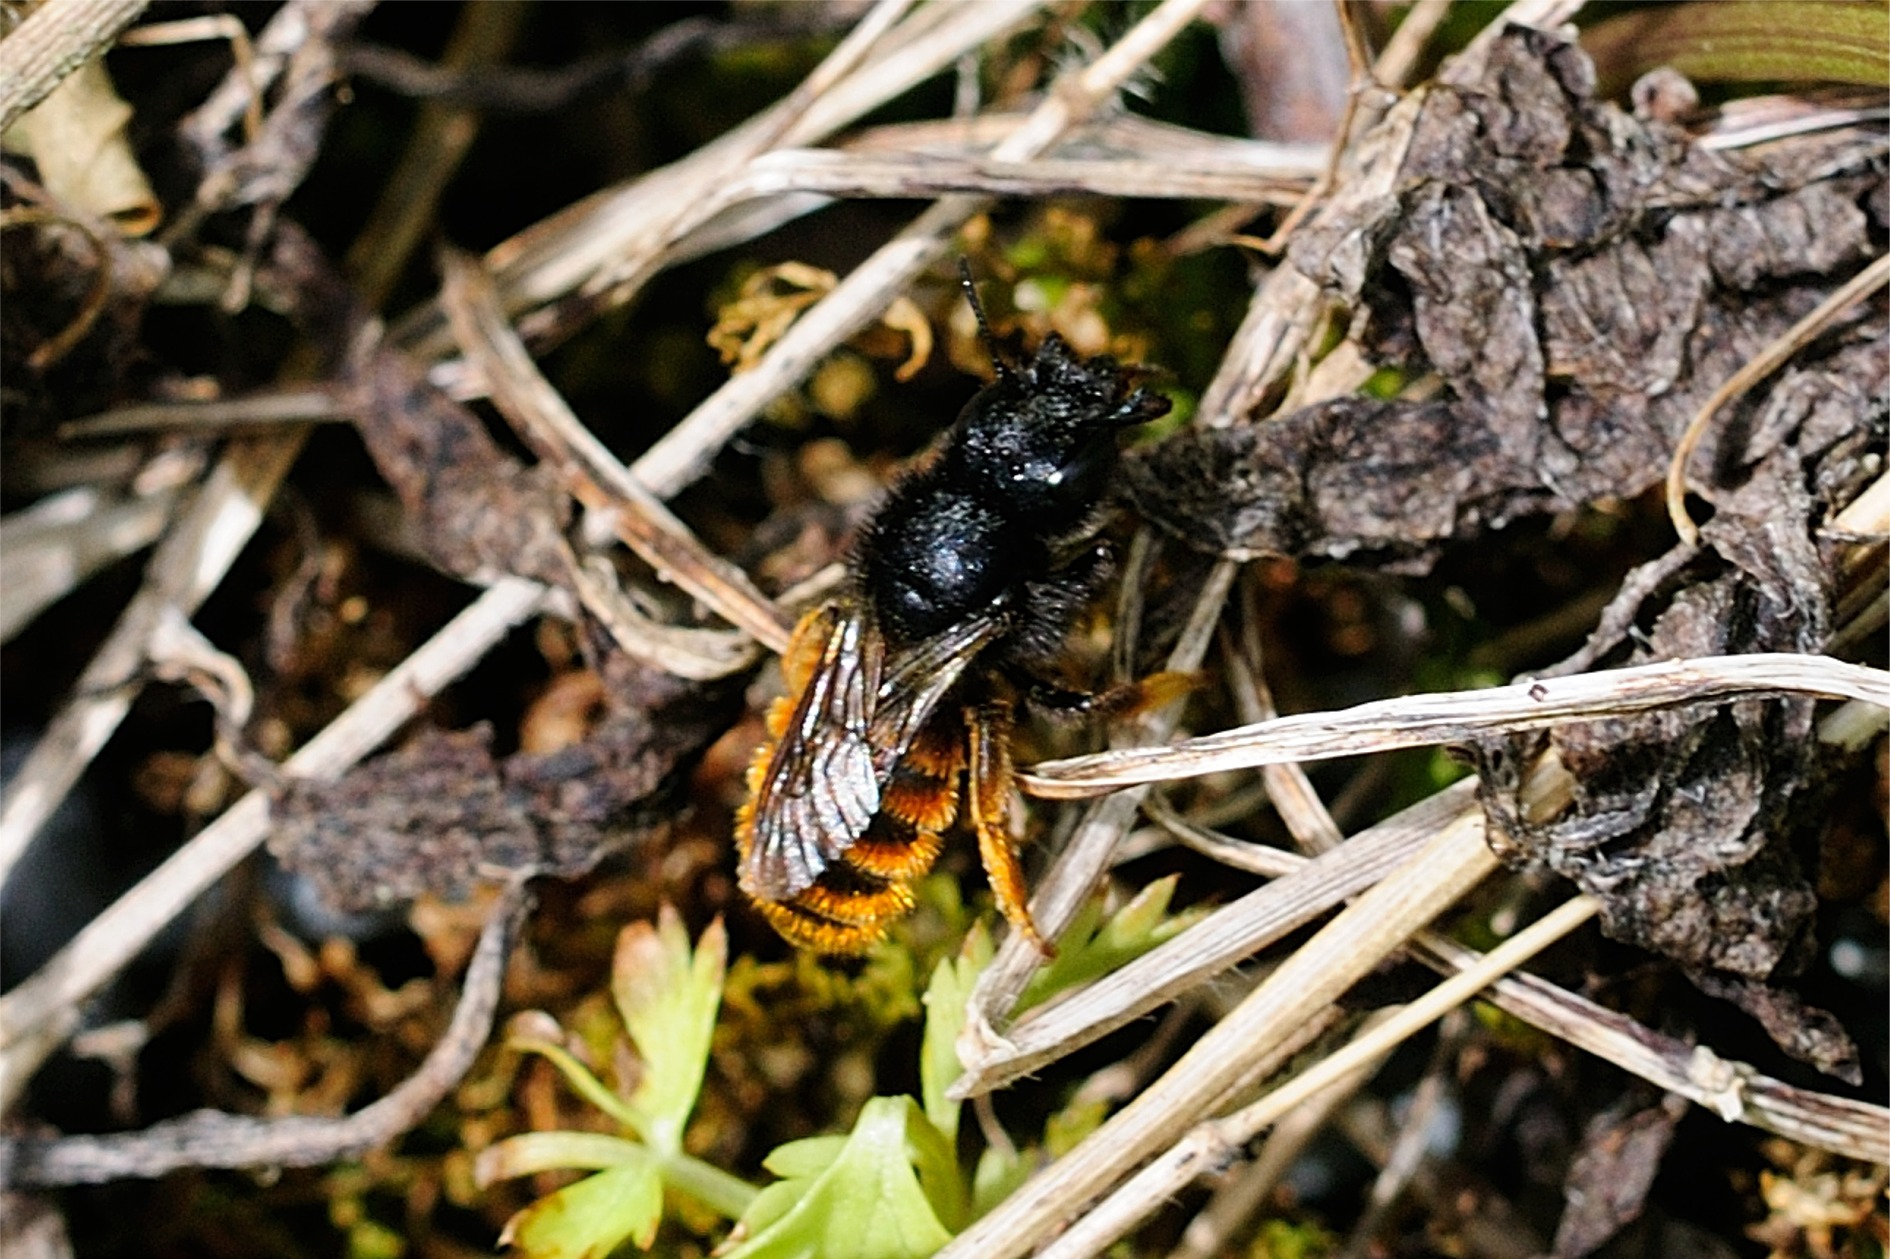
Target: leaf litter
x=1548, y=289
x=1578, y=281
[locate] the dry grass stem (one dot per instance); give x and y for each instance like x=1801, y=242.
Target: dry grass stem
x=54, y=348
x=1737, y=129
x=51, y=42
x=1225, y=938
x=1401, y=52
x=1223, y=1060
x=406, y=210
x=1208, y=176
x=1450, y=717
x=1219, y=1140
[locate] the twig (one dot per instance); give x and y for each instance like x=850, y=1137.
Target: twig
x=54, y=40
x=546, y=423
x=1763, y=364
x=1419, y=720
x=45, y=1009
x=216, y=1139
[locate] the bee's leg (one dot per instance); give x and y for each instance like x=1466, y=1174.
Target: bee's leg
x=1127, y=700
x=805, y=646
x=988, y=802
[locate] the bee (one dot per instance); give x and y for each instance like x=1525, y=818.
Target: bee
x=902, y=691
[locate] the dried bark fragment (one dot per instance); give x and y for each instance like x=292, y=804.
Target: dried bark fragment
x=1802, y=1030
x=424, y=818
x=442, y=815
x=1580, y=280
x=1331, y=479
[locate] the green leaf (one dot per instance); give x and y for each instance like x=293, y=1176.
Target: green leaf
x=668, y=998
x=806, y=1158
x=1746, y=41
x=529, y=1153
x=1064, y=1130
x=945, y=1000
x=1000, y=1174
x=579, y=1077
x=865, y=1202
x=935, y=1160
x=593, y=1217
x=1092, y=948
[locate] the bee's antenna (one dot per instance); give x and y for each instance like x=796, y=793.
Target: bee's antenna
x=998, y=361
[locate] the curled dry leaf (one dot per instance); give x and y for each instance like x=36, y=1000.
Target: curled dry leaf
x=76, y=137
x=479, y=512
x=1580, y=280
x=1607, y=1185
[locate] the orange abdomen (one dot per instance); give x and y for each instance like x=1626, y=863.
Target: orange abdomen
x=849, y=906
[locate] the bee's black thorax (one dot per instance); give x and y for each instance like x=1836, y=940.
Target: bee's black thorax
x=996, y=517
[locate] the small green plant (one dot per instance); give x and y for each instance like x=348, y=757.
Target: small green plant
x=667, y=997
x=892, y=1188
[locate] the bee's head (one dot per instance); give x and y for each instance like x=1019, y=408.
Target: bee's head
x=1041, y=440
